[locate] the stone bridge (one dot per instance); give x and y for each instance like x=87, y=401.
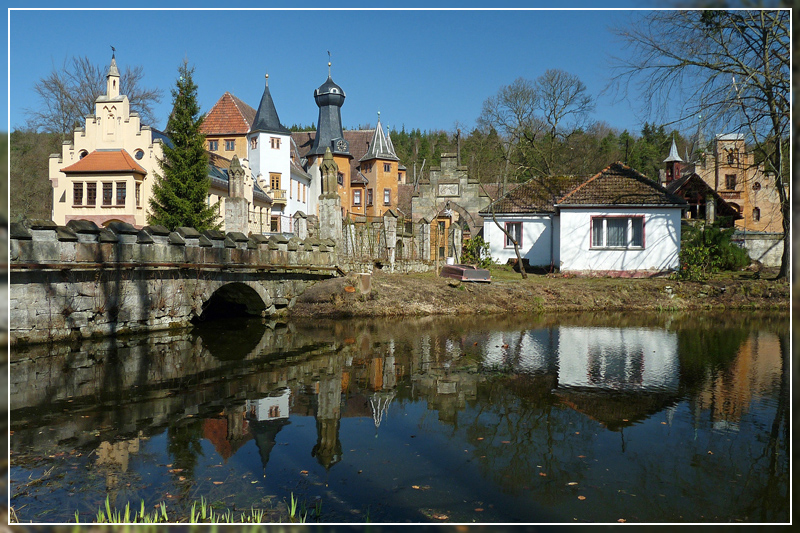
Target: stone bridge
x=80, y=280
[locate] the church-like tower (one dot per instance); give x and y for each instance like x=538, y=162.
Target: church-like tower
x=330, y=99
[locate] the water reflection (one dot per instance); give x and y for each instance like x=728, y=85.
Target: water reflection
x=528, y=414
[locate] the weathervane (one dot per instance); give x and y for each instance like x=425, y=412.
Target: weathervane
x=112, y=51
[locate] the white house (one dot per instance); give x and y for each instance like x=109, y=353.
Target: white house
x=275, y=168
x=617, y=222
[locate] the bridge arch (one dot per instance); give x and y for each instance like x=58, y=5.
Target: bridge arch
x=238, y=298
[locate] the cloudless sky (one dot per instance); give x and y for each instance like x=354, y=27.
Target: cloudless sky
x=426, y=69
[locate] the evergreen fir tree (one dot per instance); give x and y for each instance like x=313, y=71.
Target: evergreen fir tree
x=180, y=192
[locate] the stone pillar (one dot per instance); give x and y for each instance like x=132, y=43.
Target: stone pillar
x=456, y=243
x=236, y=205
x=301, y=225
x=711, y=208
x=330, y=218
x=390, y=229
x=425, y=239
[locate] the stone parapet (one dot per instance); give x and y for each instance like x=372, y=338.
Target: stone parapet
x=80, y=242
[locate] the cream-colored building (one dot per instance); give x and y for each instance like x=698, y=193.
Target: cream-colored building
x=106, y=172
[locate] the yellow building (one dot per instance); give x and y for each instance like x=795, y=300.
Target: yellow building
x=732, y=172
x=226, y=127
x=106, y=172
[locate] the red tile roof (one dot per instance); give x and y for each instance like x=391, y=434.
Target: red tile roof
x=229, y=115
x=619, y=184
x=106, y=161
x=533, y=196
x=359, y=144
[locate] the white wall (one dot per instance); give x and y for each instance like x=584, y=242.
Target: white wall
x=619, y=358
x=537, y=239
x=662, y=236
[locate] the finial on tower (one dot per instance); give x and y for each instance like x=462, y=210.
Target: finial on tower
x=266, y=79
x=112, y=51
x=329, y=63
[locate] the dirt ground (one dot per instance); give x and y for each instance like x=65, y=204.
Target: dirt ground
x=427, y=294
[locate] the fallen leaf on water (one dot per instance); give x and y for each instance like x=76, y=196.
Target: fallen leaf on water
x=181, y=478
x=663, y=423
x=478, y=509
x=254, y=481
x=218, y=482
x=572, y=483
x=577, y=432
x=304, y=472
x=621, y=520
x=581, y=457
x=581, y=497
x=439, y=516
x=415, y=487
x=175, y=470
x=710, y=452
x=480, y=438
x=542, y=474
x=506, y=442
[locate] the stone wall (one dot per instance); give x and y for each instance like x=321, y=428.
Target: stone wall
x=767, y=248
x=78, y=281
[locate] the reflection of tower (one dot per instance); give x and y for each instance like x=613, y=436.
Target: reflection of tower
x=328, y=449
x=379, y=403
x=267, y=417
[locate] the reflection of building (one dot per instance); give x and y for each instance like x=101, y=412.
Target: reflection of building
x=273, y=407
x=328, y=449
x=755, y=371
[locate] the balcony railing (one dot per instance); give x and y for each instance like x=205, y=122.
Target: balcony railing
x=278, y=195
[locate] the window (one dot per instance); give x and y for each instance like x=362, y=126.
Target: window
x=387, y=196
x=399, y=177
x=254, y=143
x=108, y=193
x=369, y=196
x=121, y=193
x=274, y=180
x=91, y=194
x=305, y=188
x=77, y=193
x=731, y=158
x=138, y=154
x=617, y=232
x=730, y=181
x=275, y=143
x=138, y=195
x=756, y=214
x=213, y=146
x=83, y=153
x=274, y=224
x=514, y=230
x=387, y=167
x=356, y=197
x=757, y=186
x=340, y=178
x=230, y=145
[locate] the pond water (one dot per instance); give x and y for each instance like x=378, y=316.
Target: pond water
x=572, y=418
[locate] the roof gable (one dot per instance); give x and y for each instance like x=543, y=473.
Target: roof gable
x=619, y=185
x=535, y=196
x=230, y=115
x=106, y=161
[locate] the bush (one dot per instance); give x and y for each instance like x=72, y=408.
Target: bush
x=708, y=249
x=476, y=251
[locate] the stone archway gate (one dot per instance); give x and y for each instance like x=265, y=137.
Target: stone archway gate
x=79, y=280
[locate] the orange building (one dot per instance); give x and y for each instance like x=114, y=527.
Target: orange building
x=226, y=127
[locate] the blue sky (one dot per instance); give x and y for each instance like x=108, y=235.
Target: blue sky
x=421, y=69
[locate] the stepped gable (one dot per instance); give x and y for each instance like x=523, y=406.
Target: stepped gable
x=106, y=161
x=535, y=196
x=230, y=115
x=619, y=184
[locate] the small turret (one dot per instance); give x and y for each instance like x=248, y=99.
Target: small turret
x=673, y=163
x=112, y=78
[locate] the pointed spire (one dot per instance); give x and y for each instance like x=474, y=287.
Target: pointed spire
x=112, y=78
x=266, y=118
x=380, y=147
x=673, y=153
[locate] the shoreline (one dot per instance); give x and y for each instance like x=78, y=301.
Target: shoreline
x=399, y=295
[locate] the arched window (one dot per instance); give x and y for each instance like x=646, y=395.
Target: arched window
x=82, y=154
x=757, y=186
x=756, y=214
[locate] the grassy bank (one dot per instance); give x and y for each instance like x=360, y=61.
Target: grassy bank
x=426, y=294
